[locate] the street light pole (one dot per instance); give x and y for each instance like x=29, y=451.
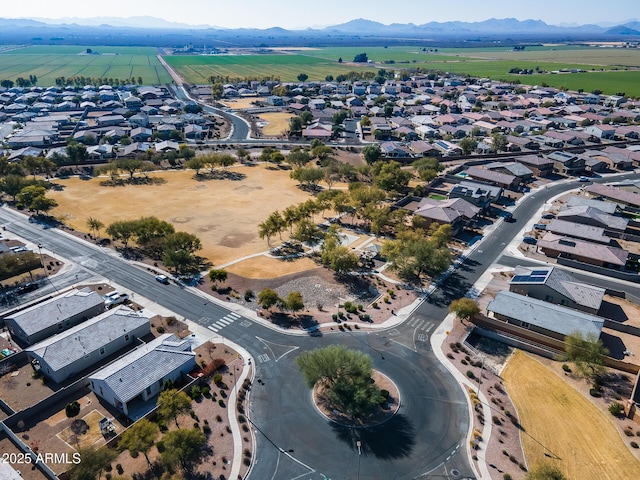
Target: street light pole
x=480, y=379
x=359, y=445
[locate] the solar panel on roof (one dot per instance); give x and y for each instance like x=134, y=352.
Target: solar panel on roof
x=536, y=279
x=520, y=278
x=537, y=273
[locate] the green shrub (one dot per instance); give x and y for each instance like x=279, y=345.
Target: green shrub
x=634, y=445
x=248, y=295
x=470, y=374
x=506, y=476
x=217, y=379
x=221, y=403
x=566, y=367
x=160, y=329
x=196, y=392
x=374, y=305
x=616, y=409
x=628, y=432
x=72, y=409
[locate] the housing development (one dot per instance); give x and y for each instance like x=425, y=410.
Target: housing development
x=391, y=271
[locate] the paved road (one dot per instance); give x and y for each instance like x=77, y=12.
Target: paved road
x=427, y=436
x=240, y=130
x=429, y=428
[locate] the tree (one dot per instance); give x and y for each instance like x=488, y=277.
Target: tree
x=371, y=153
x=295, y=125
x=93, y=462
x=345, y=374
x=302, y=77
x=172, y=403
x=268, y=298
x=76, y=152
x=468, y=145
x=13, y=184
x=412, y=255
x=94, y=225
x=293, y=302
x=139, y=438
x=360, y=58
x=464, y=308
x=587, y=353
x=308, y=176
x=195, y=163
x=122, y=230
x=179, y=251
x=217, y=275
x=321, y=152
x=499, y=142
x=183, y=448
x=307, y=232
x=217, y=90
x=72, y=409
x=427, y=168
x=545, y=471
x=32, y=197
x=298, y=158
x=390, y=177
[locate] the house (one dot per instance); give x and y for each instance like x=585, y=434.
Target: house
x=456, y=212
x=447, y=149
x=618, y=195
x=318, y=130
x=606, y=207
x=521, y=142
x=556, y=286
x=566, y=163
x=540, y=166
x=194, y=132
x=100, y=152
x=578, y=230
x=541, y=317
x=62, y=356
x=479, y=194
x=491, y=177
x=553, y=245
x=588, y=215
x=133, y=103
x=141, y=134
x=109, y=120
x=394, y=150
x=601, y=132
x=132, y=381
x=7, y=472
x=54, y=315
x=511, y=168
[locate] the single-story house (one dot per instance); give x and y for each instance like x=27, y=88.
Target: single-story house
x=62, y=356
x=479, y=194
x=491, y=177
x=618, y=195
x=606, y=207
x=139, y=376
x=588, y=215
x=557, y=286
x=578, y=230
x=606, y=256
x=542, y=317
x=456, y=212
x=55, y=315
x=540, y=166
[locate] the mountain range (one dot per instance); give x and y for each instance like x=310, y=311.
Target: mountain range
x=359, y=26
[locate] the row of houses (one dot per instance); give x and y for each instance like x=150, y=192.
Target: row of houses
x=70, y=335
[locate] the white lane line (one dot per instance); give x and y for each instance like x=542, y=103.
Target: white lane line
x=224, y=322
x=213, y=328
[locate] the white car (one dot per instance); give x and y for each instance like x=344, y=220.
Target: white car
x=162, y=279
x=117, y=300
x=583, y=179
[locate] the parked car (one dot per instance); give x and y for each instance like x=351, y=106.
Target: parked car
x=117, y=300
x=584, y=179
x=530, y=240
x=540, y=226
x=27, y=287
x=162, y=279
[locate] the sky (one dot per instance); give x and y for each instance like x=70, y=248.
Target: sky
x=300, y=14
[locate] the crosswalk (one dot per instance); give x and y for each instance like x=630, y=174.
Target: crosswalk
x=420, y=324
x=228, y=319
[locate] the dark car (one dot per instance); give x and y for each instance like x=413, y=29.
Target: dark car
x=27, y=287
x=530, y=240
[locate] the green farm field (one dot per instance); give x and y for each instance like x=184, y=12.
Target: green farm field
x=607, y=69
x=50, y=62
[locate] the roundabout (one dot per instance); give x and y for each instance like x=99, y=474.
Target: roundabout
x=380, y=414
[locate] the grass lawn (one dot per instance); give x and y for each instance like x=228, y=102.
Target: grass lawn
x=436, y=196
x=224, y=214
x=558, y=417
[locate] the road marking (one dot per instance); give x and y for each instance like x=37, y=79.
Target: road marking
x=422, y=337
x=205, y=320
x=393, y=332
x=234, y=315
x=412, y=321
x=213, y=328
x=224, y=321
x=429, y=328
x=263, y=358
x=245, y=323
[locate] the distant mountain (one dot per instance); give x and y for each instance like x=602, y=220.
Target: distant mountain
x=623, y=30
x=134, y=22
x=20, y=22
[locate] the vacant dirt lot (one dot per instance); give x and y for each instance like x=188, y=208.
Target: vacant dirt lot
x=277, y=123
x=562, y=427
x=224, y=214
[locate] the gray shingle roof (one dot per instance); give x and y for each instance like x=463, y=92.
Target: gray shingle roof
x=606, y=207
x=133, y=373
x=50, y=312
x=64, y=349
x=602, y=218
x=548, y=316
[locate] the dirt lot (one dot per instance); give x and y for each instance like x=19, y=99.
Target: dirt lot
x=240, y=103
x=563, y=427
x=278, y=122
x=224, y=214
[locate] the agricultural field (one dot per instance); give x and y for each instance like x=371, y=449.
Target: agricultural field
x=286, y=67
x=607, y=69
x=49, y=62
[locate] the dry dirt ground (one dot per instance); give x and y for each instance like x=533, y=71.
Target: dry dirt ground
x=224, y=214
x=563, y=427
x=277, y=123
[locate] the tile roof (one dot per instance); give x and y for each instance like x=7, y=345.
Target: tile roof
x=554, y=318
x=446, y=210
x=578, y=230
x=605, y=253
x=595, y=214
x=616, y=194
